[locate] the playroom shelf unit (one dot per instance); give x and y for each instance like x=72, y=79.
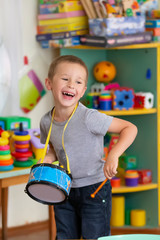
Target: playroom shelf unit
x=132, y=63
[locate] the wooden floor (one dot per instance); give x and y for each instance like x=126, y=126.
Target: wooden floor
x=40, y=235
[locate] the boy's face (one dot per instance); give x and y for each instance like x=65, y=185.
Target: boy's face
x=68, y=84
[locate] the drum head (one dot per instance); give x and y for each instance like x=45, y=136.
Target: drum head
x=45, y=193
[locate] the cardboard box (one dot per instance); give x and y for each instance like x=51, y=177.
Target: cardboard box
x=116, y=26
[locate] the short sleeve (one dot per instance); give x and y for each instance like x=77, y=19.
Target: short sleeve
x=44, y=127
x=97, y=123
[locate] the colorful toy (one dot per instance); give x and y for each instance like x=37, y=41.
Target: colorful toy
x=123, y=98
x=145, y=176
x=13, y=122
x=6, y=161
x=138, y=101
x=104, y=71
x=131, y=178
x=21, y=143
x=128, y=162
x=97, y=87
x=111, y=85
x=149, y=99
x=92, y=100
x=115, y=182
x=105, y=101
x=48, y=183
x=31, y=91
x=36, y=146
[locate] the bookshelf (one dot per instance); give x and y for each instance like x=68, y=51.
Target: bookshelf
x=132, y=63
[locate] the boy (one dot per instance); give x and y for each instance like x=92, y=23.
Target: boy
x=81, y=215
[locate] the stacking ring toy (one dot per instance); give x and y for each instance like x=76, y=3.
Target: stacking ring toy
x=21, y=138
x=21, y=142
x=23, y=133
x=19, y=155
x=5, y=147
x=4, y=141
x=21, y=150
x=5, y=152
x=23, y=164
x=5, y=157
x=21, y=146
x=22, y=159
x=6, y=168
x=6, y=162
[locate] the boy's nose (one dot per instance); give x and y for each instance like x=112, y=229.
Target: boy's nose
x=70, y=84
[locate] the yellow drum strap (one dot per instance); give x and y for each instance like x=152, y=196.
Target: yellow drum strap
x=49, y=134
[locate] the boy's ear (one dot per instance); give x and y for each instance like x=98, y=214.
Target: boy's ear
x=48, y=84
x=84, y=91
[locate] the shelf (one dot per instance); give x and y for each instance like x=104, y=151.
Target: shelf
x=135, y=46
x=139, y=188
x=130, y=112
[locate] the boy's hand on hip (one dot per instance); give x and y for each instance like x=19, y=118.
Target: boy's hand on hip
x=110, y=166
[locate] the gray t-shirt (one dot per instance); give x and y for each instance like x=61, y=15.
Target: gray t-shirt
x=83, y=141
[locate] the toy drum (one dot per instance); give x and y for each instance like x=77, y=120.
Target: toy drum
x=48, y=184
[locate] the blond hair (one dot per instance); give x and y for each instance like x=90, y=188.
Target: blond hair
x=65, y=58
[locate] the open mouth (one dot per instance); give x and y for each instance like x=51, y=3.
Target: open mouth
x=68, y=94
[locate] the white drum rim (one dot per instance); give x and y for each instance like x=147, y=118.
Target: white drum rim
x=45, y=183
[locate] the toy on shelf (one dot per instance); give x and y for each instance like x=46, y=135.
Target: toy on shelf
x=21, y=143
x=105, y=101
x=145, y=176
x=13, y=122
x=123, y=98
x=131, y=178
x=138, y=101
x=6, y=161
x=92, y=100
x=138, y=217
x=97, y=87
x=104, y=71
x=118, y=211
x=36, y=146
x=115, y=182
x=128, y=162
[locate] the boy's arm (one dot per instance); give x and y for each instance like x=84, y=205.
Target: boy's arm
x=127, y=133
x=50, y=155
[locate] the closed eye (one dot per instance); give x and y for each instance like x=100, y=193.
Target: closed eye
x=65, y=79
x=79, y=82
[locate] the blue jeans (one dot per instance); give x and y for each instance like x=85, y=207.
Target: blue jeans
x=83, y=216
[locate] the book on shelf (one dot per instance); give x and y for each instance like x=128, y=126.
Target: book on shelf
x=115, y=41
x=83, y=19
x=61, y=15
x=58, y=43
x=155, y=31
x=152, y=23
x=61, y=35
x=59, y=7
x=62, y=27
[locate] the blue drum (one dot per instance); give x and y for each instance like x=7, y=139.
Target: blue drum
x=48, y=184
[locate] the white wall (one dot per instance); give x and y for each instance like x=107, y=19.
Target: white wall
x=18, y=28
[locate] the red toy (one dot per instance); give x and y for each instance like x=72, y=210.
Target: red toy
x=145, y=176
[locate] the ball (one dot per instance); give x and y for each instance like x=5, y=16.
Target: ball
x=104, y=71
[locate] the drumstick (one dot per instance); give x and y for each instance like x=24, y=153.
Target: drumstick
x=97, y=190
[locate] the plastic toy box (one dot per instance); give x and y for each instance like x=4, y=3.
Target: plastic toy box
x=12, y=122
x=116, y=26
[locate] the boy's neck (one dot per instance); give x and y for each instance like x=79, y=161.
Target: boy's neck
x=63, y=114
